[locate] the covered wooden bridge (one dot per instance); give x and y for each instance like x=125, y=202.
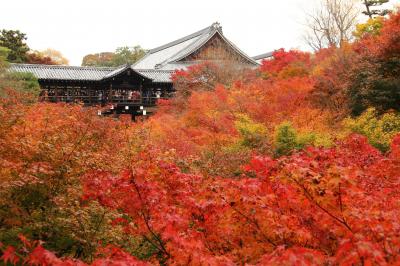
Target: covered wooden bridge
x=124, y=89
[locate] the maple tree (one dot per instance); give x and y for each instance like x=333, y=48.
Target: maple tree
x=55, y=56
x=328, y=193
x=315, y=206
x=331, y=77
x=37, y=57
x=375, y=75
x=44, y=150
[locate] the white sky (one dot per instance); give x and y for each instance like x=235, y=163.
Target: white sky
x=80, y=27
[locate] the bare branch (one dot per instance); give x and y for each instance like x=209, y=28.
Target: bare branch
x=331, y=24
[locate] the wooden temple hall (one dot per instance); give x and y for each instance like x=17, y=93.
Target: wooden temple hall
x=135, y=89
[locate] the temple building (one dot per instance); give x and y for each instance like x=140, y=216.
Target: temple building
x=135, y=89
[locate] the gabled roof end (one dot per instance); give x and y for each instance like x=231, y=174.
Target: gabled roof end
x=264, y=55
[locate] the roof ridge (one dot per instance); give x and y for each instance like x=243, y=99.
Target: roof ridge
x=153, y=70
x=183, y=39
x=65, y=66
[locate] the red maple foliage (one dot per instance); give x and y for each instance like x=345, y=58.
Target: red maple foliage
x=287, y=64
x=317, y=206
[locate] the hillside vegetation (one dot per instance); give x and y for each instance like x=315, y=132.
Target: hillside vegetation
x=294, y=163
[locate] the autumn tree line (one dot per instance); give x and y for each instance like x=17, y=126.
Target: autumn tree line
x=19, y=52
x=296, y=162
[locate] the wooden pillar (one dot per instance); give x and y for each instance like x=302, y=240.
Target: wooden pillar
x=90, y=94
x=56, y=93
x=141, y=92
x=110, y=93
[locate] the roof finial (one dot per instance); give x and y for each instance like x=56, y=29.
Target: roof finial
x=216, y=25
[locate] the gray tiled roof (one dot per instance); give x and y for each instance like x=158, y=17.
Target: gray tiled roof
x=151, y=60
x=156, y=75
x=181, y=40
x=63, y=72
x=170, y=54
x=80, y=73
x=261, y=57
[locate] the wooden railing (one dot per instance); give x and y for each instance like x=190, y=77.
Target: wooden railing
x=96, y=100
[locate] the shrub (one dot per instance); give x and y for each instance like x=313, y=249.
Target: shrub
x=22, y=82
x=379, y=130
x=288, y=139
x=252, y=134
x=285, y=139
x=25, y=83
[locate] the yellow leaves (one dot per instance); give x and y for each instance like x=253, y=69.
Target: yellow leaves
x=372, y=26
x=379, y=130
x=252, y=134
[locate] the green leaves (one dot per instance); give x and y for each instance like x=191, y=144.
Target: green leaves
x=379, y=129
x=285, y=139
x=14, y=40
x=288, y=140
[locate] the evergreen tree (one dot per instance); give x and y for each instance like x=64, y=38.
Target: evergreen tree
x=285, y=139
x=375, y=12
x=14, y=40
